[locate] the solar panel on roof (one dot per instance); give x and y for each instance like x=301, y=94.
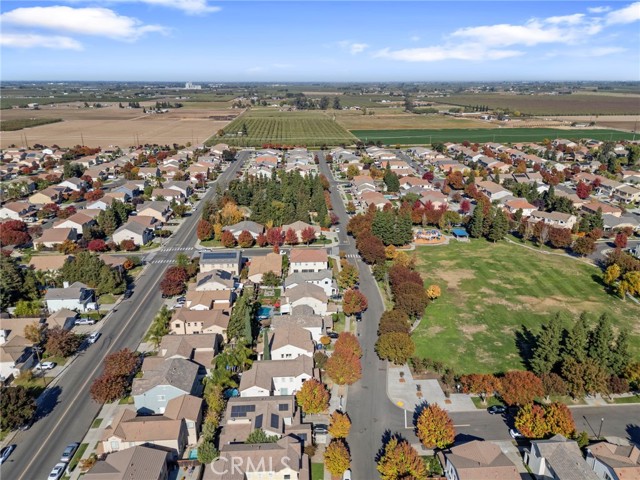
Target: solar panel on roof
x=241, y=410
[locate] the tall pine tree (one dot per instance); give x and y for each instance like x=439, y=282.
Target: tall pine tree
x=621, y=355
x=601, y=343
x=547, y=352
x=476, y=225
x=577, y=341
x=499, y=226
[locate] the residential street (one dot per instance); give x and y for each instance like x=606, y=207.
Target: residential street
x=67, y=410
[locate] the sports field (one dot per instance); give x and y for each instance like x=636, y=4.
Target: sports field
x=502, y=135
x=489, y=291
x=270, y=126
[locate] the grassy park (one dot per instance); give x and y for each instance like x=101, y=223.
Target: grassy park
x=489, y=291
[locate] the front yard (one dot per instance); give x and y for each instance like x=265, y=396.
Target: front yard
x=489, y=291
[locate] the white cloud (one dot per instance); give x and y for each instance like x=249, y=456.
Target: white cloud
x=598, y=9
x=604, y=51
x=415, y=38
x=83, y=21
x=192, y=7
x=353, y=47
x=574, y=19
x=438, y=53
x=628, y=14
x=27, y=40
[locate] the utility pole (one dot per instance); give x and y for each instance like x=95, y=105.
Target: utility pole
x=600, y=429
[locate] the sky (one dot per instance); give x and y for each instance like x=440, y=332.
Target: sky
x=336, y=41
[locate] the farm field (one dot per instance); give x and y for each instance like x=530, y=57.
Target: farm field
x=575, y=104
x=622, y=122
x=115, y=126
x=397, y=119
x=264, y=126
x=503, y=135
x=20, y=123
x=489, y=291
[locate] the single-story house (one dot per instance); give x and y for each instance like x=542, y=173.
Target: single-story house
x=134, y=462
x=555, y=219
x=50, y=263
x=135, y=231
x=16, y=354
x=258, y=266
x=253, y=228
x=16, y=210
x=53, y=237
x=475, y=460
x=299, y=226
x=161, y=211
x=214, y=280
x=78, y=221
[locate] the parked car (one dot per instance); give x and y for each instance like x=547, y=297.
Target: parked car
x=320, y=429
x=177, y=305
x=347, y=474
x=57, y=471
x=332, y=335
x=127, y=294
x=497, y=410
x=358, y=317
x=46, y=365
x=515, y=433
x=67, y=455
x=85, y=321
x=93, y=338
x=5, y=452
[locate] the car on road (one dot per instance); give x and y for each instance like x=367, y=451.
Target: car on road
x=359, y=317
x=67, y=455
x=320, y=429
x=347, y=474
x=337, y=229
x=85, y=321
x=93, y=338
x=497, y=410
x=45, y=365
x=57, y=471
x=127, y=294
x=515, y=433
x=5, y=452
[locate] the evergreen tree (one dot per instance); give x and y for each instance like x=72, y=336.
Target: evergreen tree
x=404, y=229
x=476, y=225
x=601, y=343
x=621, y=357
x=547, y=352
x=577, y=341
x=108, y=221
x=499, y=226
x=383, y=226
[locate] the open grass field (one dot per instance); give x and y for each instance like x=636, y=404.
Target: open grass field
x=503, y=135
x=575, y=104
x=310, y=128
x=20, y=123
x=489, y=291
x=115, y=126
x=398, y=119
x=622, y=122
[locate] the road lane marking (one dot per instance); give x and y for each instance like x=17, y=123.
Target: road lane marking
x=463, y=425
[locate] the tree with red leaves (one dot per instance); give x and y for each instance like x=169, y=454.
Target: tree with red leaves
x=245, y=239
x=399, y=274
x=204, y=230
x=620, y=240
x=371, y=248
x=94, y=195
x=354, y=302
x=484, y=385
x=583, y=190
x=97, y=245
x=275, y=236
x=67, y=212
x=121, y=363
x=429, y=176
x=519, y=387
x=14, y=232
x=174, y=281
x=49, y=210
x=308, y=235
x=227, y=239
x=465, y=206
x=348, y=343
x=411, y=298
x=344, y=368
x=560, y=237
x=128, y=245
x=261, y=240
x=291, y=237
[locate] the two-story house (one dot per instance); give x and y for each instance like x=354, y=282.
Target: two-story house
x=308, y=260
x=276, y=377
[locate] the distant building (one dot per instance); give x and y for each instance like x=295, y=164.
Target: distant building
x=191, y=86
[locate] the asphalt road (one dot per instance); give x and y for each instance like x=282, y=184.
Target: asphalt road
x=67, y=411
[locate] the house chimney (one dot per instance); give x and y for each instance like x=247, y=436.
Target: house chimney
x=65, y=284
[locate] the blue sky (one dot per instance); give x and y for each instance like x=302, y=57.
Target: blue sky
x=208, y=41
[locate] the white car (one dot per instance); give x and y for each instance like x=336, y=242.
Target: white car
x=46, y=365
x=347, y=474
x=515, y=433
x=57, y=471
x=93, y=338
x=85, y=321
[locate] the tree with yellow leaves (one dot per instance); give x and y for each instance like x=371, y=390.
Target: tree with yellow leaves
x=433, y=292
x=390, y=252
x=340, y=425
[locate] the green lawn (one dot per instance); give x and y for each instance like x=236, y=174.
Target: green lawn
x=489, y=291
x=623, y=400
x=504, y=135
x=107, y=299
x=77, y=456
x=490, y=402
x=96, y=423
x=317, y=471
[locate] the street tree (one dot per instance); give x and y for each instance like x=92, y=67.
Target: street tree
x=61, y=342
x=344, y=368
x=245, y=239
x=313, y=397
x=434, y=427
x=348, y=275
x=339, y=424
x=204, y=230
x=519, y=387
x=291, y=237
x=354, y=302
x=400, y=461
x=397, y=347
x=308, y=235
x=411, y=298
x=17, y=407
x=337, y=458
x=348, y=343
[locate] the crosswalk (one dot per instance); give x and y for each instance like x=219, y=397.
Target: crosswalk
x=165, y=261
x=176, y=249
x=352, y=255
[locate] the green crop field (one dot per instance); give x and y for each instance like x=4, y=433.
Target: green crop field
x=489, y=291
x=503, y=135
x=284, y=128
x=20, y=123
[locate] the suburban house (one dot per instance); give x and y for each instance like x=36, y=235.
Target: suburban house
x=73, y=183
x=287, y=343
x=253, y=228
x=364, y=183
x=308, y=260
x=187, y=322
x=161, y=211
x=16, y=354
x=605, y=208
x=323, y=279
x=78, y=221
x=557, y=459
x=200, y=349
x=228, y=261
x=302, y=317
x=157, y=431
x=555, y=219
x=149, y=172
x=189, y=409
x=282, y=460
x=493, y=190
x=306, y=294
x=627, y=194
x=51, y=194
x=16, y=210
x=49, y=263
x=614, y=462
x=437, y=199
x=276, y=377
x=214, y=280
x=130, y=188
x=168, y=380
x=53, y=237
x=135, y=231
x=167, y=194
x=134, y=462
x=520, y=204
x=209, y=299
x=277, y=416
x=299, y=226
x=63, y=318
x=76, y=296
x=477, y=460
x=374, y=198
x=258, y=266
x=184, y=188
x=149, y=222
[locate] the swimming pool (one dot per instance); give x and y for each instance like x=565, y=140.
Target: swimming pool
x=264, y=312
x=193, y=454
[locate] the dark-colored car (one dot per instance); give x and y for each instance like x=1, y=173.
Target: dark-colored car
x=497, y=410
x=332, y=335
x=127, y=294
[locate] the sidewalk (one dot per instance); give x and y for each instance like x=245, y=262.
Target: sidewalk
x=403, y=391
